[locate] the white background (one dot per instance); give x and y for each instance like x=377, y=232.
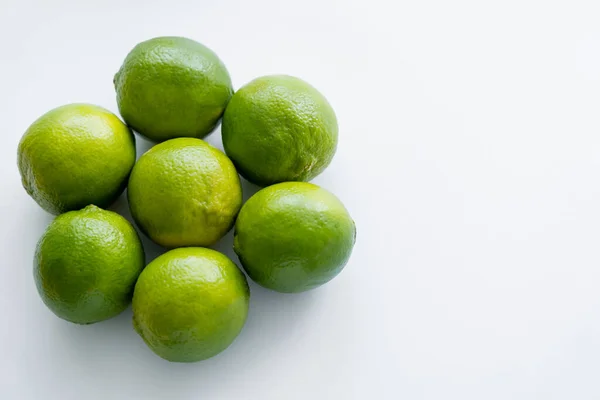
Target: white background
x=469, y=157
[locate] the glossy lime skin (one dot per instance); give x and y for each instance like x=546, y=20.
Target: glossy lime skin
x=86, y=265
x=279, y=128
x=76, y=155
x=190, y=304
x=184, y=192
x=293, y=236
x=172, y=87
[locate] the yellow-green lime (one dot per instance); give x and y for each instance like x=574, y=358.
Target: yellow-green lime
x=184, y=192
x=293, y=236
x=76, y=155
x=171, y=87
x=86, y=265
x=279, y=128
x=190, y=304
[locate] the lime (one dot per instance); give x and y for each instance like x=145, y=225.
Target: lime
x=279, y=128
x=184, y=192
x=190, y=304
x=169, y=87
x=86, y=265
x=293, y=236
x=76, y=155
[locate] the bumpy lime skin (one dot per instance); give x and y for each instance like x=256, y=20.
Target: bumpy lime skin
x=279, y=128
x=76, y=155
x=86, y=265
x=184, y=192
x=190, y=304
x=172, y=87
x=293, y=236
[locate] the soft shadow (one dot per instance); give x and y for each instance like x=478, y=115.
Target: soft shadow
x=33, y=219
x=142, y=144
x=110, y=339
x=121, y=206
x=248, y=189
x=22, y=237
x=225, y=245
x=274, y=324
x=214, y=137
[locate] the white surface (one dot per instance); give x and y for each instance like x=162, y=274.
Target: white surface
x=469, y=157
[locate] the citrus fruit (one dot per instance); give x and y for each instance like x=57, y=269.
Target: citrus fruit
x=293, y=236
x=279, y=128
x=170, y=87
x=190, y=304
x=76, y=155
x=184, y=192
x=86, y=265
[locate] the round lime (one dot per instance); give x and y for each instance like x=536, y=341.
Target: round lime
x=293, y=236
x=86, y=265
x=190, y=304
x=184, y=192
x=76, y=155
x=170, y=87
x=279, y=128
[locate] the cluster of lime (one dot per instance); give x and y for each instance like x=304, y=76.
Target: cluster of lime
x=191, y=302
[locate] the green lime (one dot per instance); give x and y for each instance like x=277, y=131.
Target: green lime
x=190, y=304
x=170, y=87
x=76, y=155
x=293, y=236
x=279, y=128
x=86, y=265
x=184, y=192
